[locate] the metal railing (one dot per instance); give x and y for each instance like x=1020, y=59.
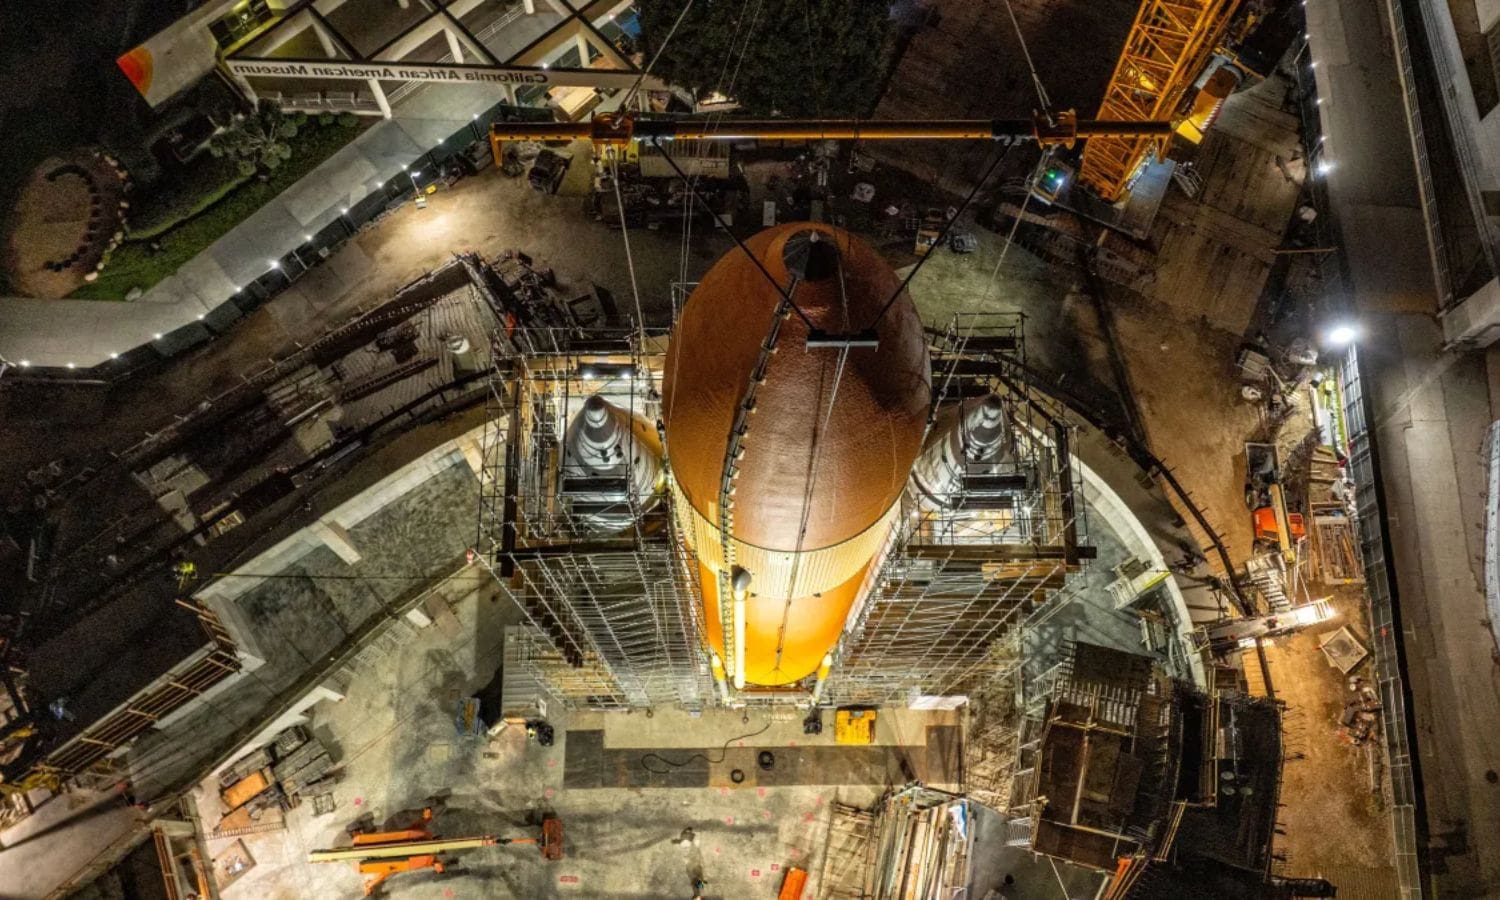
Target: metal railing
x=1442, y=278
x=1385, y=629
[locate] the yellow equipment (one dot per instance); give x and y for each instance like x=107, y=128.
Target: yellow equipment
x=1168, y=48
x=854, y=726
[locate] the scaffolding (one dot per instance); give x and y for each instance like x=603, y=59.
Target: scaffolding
x=1110, y=721
x=614, y=620
x=610, y=618
x=965, y=568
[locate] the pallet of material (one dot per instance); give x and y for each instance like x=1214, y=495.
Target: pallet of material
x=288, y=741
x=1334, y=545
x=315, y=770
x=298, y=758
x=243, y=767
x=246, y=789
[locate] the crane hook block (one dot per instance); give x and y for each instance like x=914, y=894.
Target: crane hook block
x=613, y=129
x=1056, y=127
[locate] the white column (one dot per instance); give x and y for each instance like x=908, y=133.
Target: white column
x=454, y=47
x=583, y=48
x=530, y=6
x=510, y=93
x=380, y=101
x=335, y=538
x=325, y=40
x=473, y=451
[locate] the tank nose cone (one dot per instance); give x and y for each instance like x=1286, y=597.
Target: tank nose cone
x=987, y=426
x=595, y=412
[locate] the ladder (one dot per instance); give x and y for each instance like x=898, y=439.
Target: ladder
x=1268, y=574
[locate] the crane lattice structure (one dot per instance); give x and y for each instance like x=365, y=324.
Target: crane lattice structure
x=1167, y=49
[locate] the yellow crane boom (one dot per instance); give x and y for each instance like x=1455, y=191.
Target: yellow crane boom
x=1168, y=47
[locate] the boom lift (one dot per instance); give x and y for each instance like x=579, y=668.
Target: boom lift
x=381, y=854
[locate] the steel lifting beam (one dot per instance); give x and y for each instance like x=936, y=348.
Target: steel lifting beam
x=611, y=129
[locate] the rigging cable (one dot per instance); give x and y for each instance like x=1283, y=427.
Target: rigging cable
x=668, y=765
x=947, y=226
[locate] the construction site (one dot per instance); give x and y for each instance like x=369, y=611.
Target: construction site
x=669, y=501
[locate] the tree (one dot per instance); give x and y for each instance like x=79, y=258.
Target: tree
x=788, y=57
x=258, y=142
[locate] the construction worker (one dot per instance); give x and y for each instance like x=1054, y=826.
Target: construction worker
x=186, y=571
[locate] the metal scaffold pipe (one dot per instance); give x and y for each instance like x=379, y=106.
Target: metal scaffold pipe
x=404, y=849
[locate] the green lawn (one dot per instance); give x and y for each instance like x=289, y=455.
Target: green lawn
x=134, y=264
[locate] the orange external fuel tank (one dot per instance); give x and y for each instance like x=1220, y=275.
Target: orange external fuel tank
x=825, y=453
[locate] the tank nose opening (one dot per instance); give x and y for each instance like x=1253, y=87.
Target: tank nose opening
x=986, y=428
x=810, y=256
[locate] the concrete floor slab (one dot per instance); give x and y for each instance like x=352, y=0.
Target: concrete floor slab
x=394, y=739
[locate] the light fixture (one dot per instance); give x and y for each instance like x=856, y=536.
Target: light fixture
x=275, y=263
x=1318, y=102
x=25, y=363
x=403, y=167
x=544, y=65
x=114, y=356
x=71, y=366
x=344, y=210
x=308, y=237
x=1342, y=334
x=475, y=117
x=1324, y=167
x=739, y=585
x=200, y=317
x=1313, y=64
x=156, y=336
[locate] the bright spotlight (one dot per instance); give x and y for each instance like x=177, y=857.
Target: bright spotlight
x=1342, y=335
x=1325, y=167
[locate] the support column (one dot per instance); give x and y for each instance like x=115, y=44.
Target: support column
x=530, y=6
x=325, y=40
x=380, y=101
x=473, y=451
x=510, y=94
x=335, y=538
x=454, y=47
x=583, y=48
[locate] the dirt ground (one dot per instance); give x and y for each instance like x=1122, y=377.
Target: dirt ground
x=1334, y=815
x=1194, y=418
